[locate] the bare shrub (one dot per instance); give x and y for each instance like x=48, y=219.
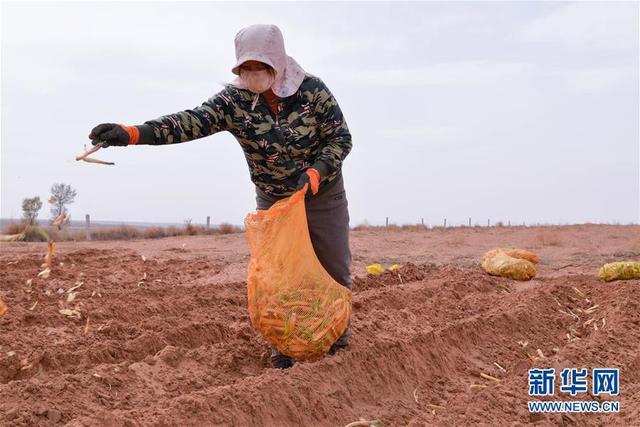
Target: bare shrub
x=189, y=228
x=226, y=228
x=65, y=235
x=173, y=231
x=14, y=228
x=155, y=233
x=413, y=227
x=35, y=234
x=122, y=232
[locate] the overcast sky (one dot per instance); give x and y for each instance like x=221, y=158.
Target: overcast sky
x=502, y=110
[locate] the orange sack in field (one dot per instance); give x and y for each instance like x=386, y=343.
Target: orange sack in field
x=293, y=302
x=515, y=264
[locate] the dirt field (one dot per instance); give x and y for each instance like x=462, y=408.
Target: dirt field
x=167, y=341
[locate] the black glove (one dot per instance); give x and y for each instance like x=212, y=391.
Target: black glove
x=312, y=176
x=308, y=178
x=109, y=134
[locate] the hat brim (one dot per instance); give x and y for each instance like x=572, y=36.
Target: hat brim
x=251, y=57
x=284, y=86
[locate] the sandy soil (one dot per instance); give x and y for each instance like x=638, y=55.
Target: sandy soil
x=167, y=341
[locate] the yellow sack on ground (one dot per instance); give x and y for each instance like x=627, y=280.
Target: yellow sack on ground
x=501, y=262
x=293, y=302
x=375, y=269
x=620, y=271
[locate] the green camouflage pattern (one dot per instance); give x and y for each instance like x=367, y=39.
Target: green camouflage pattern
x=309, y=127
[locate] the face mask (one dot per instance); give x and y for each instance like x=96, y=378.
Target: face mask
x=257, y=81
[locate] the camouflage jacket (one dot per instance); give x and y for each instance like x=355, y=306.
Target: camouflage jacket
x=309, y=127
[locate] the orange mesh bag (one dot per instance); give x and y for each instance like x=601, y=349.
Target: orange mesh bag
x=522, y=254
x=515, y=264
x=293, y=302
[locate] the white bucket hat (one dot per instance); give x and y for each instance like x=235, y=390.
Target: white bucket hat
x=264, y=43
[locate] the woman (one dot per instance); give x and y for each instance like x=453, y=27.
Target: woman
x=292, y=132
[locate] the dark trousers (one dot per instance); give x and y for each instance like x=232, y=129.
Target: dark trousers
x=328, y=220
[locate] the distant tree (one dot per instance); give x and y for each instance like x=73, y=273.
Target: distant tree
x=61, y=196
x=30, y=208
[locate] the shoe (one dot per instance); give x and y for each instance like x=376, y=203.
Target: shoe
x=336, y=347
x=281, y=362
